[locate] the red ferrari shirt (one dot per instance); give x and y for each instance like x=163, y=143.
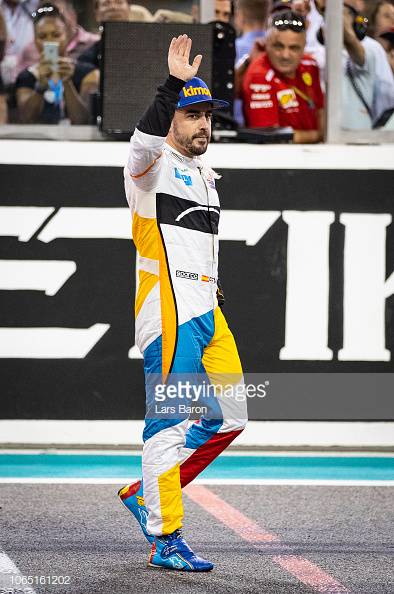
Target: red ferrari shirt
x=271, y=99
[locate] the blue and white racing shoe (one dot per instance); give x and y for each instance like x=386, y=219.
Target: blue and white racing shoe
x=132, y=497
x=172, y=552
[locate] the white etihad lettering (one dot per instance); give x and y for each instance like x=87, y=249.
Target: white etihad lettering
x=22, y=221
x=35, y=275
x=49, y=343
x=83, y=222
x=365, y=287
x=306, y=334
x=367, y=284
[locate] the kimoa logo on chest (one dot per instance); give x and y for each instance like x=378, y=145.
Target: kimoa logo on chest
x=179, y=174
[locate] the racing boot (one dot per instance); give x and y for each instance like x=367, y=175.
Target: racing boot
x=132, y=497
x=172, y=552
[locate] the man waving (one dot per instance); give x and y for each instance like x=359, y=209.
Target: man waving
x=180, y=328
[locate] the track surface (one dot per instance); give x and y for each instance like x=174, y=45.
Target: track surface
x=82, y=531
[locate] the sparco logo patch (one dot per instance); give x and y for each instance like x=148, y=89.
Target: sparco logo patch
x=190, y=275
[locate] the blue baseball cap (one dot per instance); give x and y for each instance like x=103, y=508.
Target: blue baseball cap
x=197, y=91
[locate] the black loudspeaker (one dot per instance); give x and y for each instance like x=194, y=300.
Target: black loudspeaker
x=134, y=64
x=222, y=85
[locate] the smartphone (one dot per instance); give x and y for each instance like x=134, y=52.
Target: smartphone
x=51, y=53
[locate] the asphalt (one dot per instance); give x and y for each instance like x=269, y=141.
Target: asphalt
x=83, y=532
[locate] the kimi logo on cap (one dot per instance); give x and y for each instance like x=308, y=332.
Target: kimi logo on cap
x=197, y=91
x=192, y=91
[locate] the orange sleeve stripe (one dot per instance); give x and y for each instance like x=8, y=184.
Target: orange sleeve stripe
x=146, y=170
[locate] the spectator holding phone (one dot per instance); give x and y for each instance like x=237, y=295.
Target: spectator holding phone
x=78, y=39
x=55, y=88
x=282, y=86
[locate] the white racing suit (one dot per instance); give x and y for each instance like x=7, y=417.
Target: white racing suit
x=179, y=327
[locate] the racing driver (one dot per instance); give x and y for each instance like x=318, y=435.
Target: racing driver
x=179, y=326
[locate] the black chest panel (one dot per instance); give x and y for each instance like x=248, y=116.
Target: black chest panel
x=172, y=210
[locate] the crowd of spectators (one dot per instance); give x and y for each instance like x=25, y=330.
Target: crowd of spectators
x=278, y=78
x=281, y=87
x=368, y=83
x=50, y=64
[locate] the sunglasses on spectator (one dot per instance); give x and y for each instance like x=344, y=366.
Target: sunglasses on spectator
x=288, y=20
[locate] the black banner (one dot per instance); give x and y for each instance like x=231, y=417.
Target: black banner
x=307, y=260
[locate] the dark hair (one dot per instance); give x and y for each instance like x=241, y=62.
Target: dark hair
x=372, y=13
x=47, y=10
x=288, y=19
x=254, y=10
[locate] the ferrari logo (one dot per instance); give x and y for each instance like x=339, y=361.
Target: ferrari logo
x=287, y=98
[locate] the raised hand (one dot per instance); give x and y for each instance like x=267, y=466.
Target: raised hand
x=44, y=71
x=257, y=49
x=66, y=69
x=348, y=20
x=178, y=58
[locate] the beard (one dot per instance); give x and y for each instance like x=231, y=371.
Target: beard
x=195, y=145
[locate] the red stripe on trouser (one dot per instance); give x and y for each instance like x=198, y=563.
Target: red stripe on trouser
x=204, y=455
